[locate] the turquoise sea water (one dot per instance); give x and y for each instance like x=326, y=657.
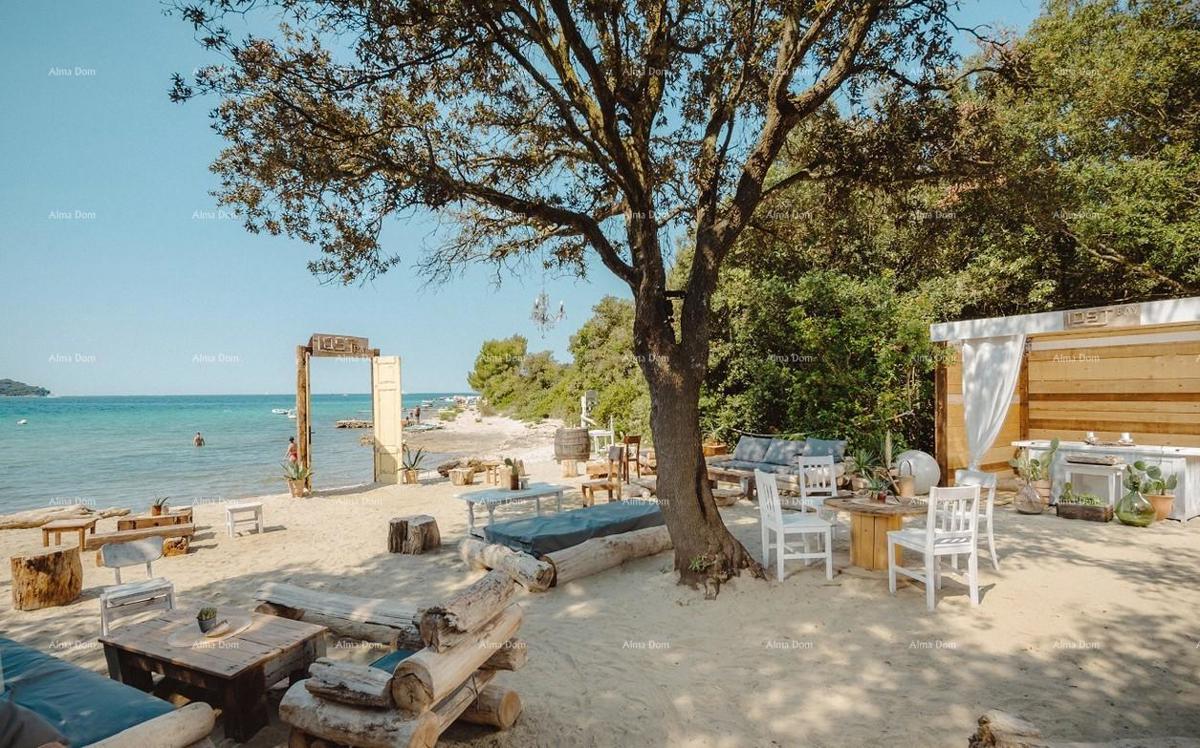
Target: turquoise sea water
x=124, y=451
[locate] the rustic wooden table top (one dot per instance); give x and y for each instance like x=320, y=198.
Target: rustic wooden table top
x=76, y=523
x=856, y=505
x=267, y=637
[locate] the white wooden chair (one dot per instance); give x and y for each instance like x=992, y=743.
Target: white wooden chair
x=125, y=599
x=951, y=529
x=806, y=524
x=983, y=480
x=818, y=482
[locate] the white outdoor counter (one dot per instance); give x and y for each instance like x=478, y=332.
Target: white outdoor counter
x=1183, y=462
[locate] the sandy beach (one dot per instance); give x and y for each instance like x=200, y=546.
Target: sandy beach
x=1087, y=630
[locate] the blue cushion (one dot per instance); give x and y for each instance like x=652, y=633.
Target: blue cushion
x=752, y=448
x=785, y=451
x=825, y=447
x=390, y=660
x=538, y=536
x=83, y=705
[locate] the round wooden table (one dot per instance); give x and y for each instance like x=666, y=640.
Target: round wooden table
x=870, y=522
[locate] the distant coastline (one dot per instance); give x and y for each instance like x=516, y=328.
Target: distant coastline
x=13, y=388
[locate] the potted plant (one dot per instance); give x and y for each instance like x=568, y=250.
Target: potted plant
x=514, y=473
x=1083, y=506
x=878, y=486
x=206, y=619
x=1145, y=484
x=1034, y=472
x=159, y=506
x=864, y=464
x=297, y=477
x=410, y=462
x=713, y=445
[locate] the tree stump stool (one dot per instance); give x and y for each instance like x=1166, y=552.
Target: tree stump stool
x=44, y=580
x=413, y=535
x=176, y=546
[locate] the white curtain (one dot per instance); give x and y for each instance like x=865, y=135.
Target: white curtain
x=990, y=368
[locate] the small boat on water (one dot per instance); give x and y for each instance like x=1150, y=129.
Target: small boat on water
x=23, y=421
x=279, y=411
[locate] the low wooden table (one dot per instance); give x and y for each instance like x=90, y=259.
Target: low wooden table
x=82, y=525
x=870, y=523
x=141, y=521
x=232, y=674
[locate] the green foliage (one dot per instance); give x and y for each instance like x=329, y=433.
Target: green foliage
x=295, y=471
x=13, y=388
x=207, y=613
x=412, y=460
x=1032, y=468
x=797, y=350
x=1068, y=496
x=160, y=501
x=1148, y=479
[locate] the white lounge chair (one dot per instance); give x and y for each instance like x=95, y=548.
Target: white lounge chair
x=983, y=480
x=951, y=529
x=795, y=523
x=123, y=600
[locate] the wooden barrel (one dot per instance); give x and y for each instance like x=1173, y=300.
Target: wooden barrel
x=572, y=444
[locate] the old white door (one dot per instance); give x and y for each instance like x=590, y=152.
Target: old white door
x=387, y=412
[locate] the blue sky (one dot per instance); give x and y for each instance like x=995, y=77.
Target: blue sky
x=118, y=276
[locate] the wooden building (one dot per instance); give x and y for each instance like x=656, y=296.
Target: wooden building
x=1132, y=368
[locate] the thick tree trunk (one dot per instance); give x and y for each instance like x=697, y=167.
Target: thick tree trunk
x=705, y=551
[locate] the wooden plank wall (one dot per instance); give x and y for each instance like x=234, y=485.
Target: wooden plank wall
x=1145, y=380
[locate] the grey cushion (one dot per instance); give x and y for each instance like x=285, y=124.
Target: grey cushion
x=824, y=447
x=752, y=448
x=784, y=451
x=22, y=728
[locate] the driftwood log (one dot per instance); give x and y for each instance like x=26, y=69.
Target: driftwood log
x=529, y=572
x=598, y=554
x=427, y=677
x=38, y=517
x=368, y=619
x=443, y=626
x=176, y=546
x=187, y=725
x=512, y=655
x=44, y=580
x=344, y=724
x=349, y=683
x=495, y=705
x=413, y=535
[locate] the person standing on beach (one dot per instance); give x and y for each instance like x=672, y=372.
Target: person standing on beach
x=293, y=451
x=198, y=440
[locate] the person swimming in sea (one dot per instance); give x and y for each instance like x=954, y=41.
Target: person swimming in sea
x=197, y=440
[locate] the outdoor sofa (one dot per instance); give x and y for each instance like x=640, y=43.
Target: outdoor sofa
x=47, y=696
x=774, y=455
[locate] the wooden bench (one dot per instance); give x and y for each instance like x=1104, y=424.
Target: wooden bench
x=177, y=517
x=463, y=644
x=94, y=542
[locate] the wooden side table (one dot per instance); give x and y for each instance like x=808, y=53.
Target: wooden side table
x=82, y=525
x=870, y=523
x=233, y=673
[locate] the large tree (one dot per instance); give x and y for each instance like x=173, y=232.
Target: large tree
x=563, y=129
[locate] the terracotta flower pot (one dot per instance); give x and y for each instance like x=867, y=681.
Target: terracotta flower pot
x=1043, y=489
x=1163, y=503
x=410, y=476
x=156, y=510
x=296, y=488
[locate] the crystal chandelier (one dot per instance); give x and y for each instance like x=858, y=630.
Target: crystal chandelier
x=541, y=315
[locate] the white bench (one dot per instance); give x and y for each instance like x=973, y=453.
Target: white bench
x=234, y=513
x=1111, y=473
x=124, y=600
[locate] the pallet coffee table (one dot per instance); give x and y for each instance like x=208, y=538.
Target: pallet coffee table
x=231, y=673
x=870, y=522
